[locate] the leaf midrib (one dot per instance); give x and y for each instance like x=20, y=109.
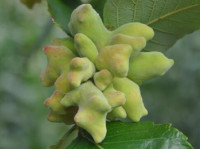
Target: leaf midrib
x=172, y=13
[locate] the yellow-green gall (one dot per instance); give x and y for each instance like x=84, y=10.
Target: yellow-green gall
x=87, y=98
x=59, y=113
x=86, y=20
x=137, y=43
x=148, y=65
x=66, y=42
x=81, y=69
x=117, y=113
x=102, y=79
x=93, y=108
x=54, y=103
x=134, y=105
x=115, y=58
x=59, y=58
x=62, y=83
x=136, y=29
x=67, y=118
x=115, y=98
x=85, y=47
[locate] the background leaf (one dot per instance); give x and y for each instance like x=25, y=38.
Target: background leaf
x=61, y=10
x=136, y=135
x=98, y=5
x=170, y=19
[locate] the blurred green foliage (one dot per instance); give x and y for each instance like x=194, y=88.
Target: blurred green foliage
x=173, y=98
x=23, y=33
x=30, y=3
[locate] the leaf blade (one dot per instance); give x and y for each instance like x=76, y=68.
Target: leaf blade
x=136, y=136
x=170, y=19
x=60, y=11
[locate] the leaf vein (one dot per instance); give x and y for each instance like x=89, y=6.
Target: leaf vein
x=152, y=10
x=172, y=13
x=135, y=6
x=117, y=12
x=164, y=31
x=159, y=43
x=163, y=9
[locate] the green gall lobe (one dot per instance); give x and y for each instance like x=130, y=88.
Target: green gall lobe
x=66, y=42
x=67, y=118
x=59, y=113
x=86, y=97
x=115, y=98
x=86, y=20
x=62, y=83
x=148, y=65
x=58, y=58
x=81, y=69
x=54, y=103
x=115, y=58
x=102, y=79
x=117, y=113
x=85, y=47
x=134, y=105
x=137, y=43
x=135, y=29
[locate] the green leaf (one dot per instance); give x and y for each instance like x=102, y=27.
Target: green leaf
x=60, y=11
x=142, y=135
x=98, y=5
x=170, y=19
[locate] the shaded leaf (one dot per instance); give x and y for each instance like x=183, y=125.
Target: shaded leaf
x=61, y=10
x=142, y=135
x=170, y=19
x=98, y=5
